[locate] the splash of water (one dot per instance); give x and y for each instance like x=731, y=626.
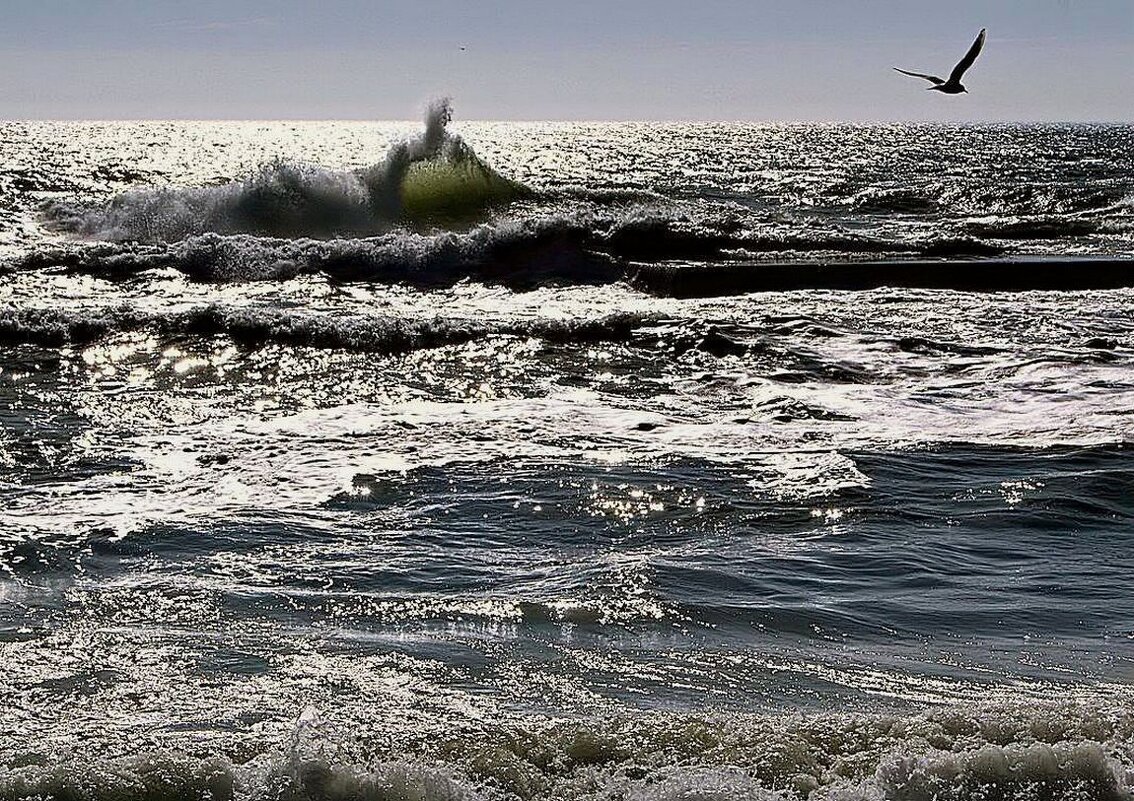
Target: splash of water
x=433, y=177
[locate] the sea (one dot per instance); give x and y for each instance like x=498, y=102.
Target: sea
x=568, y=461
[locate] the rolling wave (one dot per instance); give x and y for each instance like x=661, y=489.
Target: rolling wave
x=259, y=327
x=522, y=253
x=1045, y=227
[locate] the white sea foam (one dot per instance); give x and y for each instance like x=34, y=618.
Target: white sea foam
x=946, y=755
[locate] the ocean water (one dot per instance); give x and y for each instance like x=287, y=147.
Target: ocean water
x=459, y=461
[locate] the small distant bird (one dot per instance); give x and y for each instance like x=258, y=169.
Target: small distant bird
x=463, y=47
x=953, y=86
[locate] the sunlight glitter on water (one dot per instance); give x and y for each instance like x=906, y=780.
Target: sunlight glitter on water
x=454, y=510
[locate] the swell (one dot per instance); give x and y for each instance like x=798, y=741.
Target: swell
x=1039, y=228
x=965, y=275
x=1068, y=197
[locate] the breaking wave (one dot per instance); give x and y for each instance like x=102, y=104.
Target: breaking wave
x=646, y=248
x=435, y=175
x=519, y=252
x=259, y=327
x=418, y=218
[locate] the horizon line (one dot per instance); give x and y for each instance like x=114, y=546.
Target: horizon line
x=579, y=120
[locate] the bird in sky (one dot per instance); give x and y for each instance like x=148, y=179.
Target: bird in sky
x=953, y=86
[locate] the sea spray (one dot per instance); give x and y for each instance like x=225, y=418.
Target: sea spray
x=434, y=176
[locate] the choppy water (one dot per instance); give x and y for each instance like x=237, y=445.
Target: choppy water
x=373, y=474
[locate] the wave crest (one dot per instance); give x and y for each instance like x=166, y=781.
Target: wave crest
x=434, y=175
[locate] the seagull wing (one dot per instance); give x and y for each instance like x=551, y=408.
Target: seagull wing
x=966, y=62
x=930, y=78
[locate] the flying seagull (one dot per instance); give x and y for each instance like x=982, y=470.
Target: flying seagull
x=953, y=86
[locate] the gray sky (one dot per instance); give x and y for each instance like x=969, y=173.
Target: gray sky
x=576, y=59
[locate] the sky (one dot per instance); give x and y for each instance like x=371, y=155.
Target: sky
x=575, y=59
